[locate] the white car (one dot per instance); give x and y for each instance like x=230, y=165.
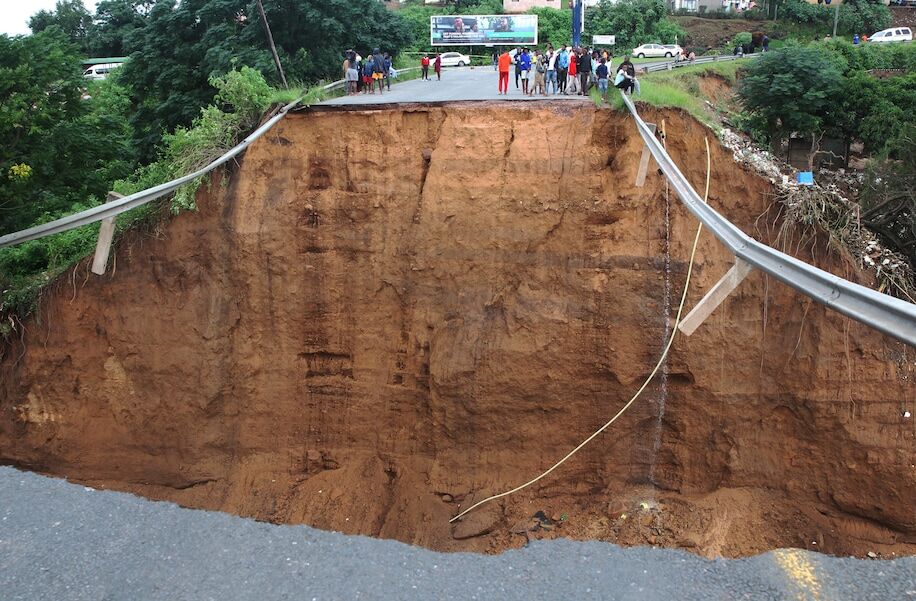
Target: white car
x=894, y=34
x=656, y=50
x=455, y=59
x=99, y=72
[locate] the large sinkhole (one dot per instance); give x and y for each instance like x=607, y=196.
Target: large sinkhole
x=380, y=316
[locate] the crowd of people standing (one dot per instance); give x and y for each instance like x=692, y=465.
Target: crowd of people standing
x=569, y=71
x=362, y=74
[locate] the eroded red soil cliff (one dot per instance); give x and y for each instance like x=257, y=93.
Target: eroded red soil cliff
x=387, y=314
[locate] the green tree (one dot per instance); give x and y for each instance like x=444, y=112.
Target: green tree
x=634, y=22
x=863, y=16
x=554, y=26
x=39, y=88
x=182, y=45
x=790, y=89
x=70, y=16
x=856, y=16
x=115, y=21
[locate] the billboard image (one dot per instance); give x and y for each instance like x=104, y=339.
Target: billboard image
x=480, y=30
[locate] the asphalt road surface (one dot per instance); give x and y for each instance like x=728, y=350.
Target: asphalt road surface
x=458, y=84
x=62, y=541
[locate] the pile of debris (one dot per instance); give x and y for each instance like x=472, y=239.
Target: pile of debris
x=827, y=207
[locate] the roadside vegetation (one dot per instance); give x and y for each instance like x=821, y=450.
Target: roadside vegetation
x=680, y=88
x=813, y=92
x=828, y=90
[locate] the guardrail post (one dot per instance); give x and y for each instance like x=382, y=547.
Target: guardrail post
x=718, y=293
x=644, y=162
x=106, y=234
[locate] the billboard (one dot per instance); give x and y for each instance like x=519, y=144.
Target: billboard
x=483, y=30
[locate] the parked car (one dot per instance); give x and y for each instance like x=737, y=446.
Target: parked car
x=656, y=50
x=97, y=72
x=894, y=34
x=674, y=48
x=455, y=59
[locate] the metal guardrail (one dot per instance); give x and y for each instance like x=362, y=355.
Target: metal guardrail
x=122, y=205
x=892, y=316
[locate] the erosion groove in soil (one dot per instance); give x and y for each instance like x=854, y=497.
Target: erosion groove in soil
x=385, y=315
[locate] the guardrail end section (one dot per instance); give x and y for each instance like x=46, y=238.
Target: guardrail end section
x=644, y=162
x=103, y=245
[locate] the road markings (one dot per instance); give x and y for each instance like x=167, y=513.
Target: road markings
x=801, y=573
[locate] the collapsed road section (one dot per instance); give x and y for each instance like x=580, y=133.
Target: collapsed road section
x=383, y=316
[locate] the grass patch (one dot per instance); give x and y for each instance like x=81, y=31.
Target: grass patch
x=679, y=88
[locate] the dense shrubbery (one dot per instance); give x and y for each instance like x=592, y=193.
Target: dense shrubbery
x=242, y=96
x=182, y=45
x=790, y=90
x=554, y=26
x=825, y=89
x=856, y=16
x=73, y=147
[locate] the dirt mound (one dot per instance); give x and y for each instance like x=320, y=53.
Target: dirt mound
x=705, y=33
x=903, y=16
x=718, y=91
x=388, y=314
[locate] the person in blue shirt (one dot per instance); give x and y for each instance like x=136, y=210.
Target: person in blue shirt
x=368, y=82
x=601, y=72
x=562, y=68
x=525, y=64
x=387, y=65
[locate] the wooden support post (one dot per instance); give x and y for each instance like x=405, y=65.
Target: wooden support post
x=644, y=162
x=715, y=296
x=106, y=234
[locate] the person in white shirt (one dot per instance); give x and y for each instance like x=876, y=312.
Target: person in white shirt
x=552, y=70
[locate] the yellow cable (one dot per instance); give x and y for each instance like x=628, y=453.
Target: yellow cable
x=658, y=365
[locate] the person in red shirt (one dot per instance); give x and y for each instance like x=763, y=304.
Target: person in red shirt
x=573, y=85
x=505, y=64
x=424, y=66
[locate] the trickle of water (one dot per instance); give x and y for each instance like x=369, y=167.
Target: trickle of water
x=663, y=381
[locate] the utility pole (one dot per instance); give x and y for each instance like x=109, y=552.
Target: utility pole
x=578, y=18
x=836, y=16
x=273, y=49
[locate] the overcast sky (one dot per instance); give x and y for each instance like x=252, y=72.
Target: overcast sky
x=14, y=14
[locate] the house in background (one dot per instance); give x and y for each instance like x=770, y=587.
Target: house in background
x=711, y=6
x=520, y=6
